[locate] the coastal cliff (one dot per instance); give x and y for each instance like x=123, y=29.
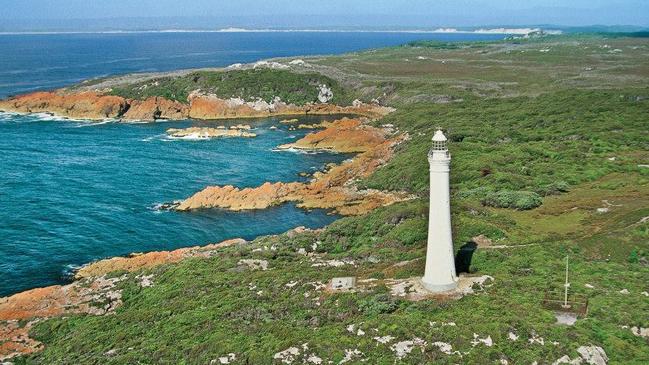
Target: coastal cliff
x=96, y=106
x=222, y=94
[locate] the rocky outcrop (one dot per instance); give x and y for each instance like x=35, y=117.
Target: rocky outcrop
x=18, y=313
x=208, y=132
x=345, y=135
x=151, y=259
x=156, y=108
x=333, y=189
x=325, y=94
x=320, y=125
x=210, y=106
x=94, y=105
x=86, y=105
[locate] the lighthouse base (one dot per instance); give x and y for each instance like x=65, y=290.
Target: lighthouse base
x=438, y=288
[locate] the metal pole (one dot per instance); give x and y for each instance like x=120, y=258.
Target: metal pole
x=566, y=285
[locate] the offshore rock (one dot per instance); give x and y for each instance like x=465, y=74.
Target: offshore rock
x=208, y=132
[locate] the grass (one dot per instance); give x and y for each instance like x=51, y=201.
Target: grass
x=573, y=144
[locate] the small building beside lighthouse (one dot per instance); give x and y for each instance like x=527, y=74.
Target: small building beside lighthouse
x=440, y=274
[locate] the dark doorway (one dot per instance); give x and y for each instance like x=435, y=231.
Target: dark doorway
x=464, y=256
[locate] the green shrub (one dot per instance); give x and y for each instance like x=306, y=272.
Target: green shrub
x=554, y=188
x=633, y=257
x=382, y=303
x=266, y=84
x=522, y=200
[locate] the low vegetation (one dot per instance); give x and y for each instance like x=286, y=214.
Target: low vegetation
x=544, y=165
x=250, y=85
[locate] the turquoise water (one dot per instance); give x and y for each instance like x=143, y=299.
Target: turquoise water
x=73, y=192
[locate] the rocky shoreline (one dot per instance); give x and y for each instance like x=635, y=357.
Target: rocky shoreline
x=333, y=189
x=21, y=311
x=97, y=105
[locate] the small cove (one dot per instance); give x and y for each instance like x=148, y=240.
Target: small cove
x=73, y=192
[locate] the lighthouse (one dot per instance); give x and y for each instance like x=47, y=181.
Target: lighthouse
x=440, y=262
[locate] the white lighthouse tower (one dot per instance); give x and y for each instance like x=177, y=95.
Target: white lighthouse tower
x=440, y=262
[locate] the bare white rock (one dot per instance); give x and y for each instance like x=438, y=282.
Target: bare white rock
x=325, y=94
x=487, y=341
x=343, y=283
x=536, y=339
x=351, y=355
x=403, y=348
x=225, y=359
x=297, y=62
x=593, y=355
x=145, y=281
x=287, y=356
x=333, y=263
x=254, y=264
x=444, y=347
x=384, y=339
x=313, y=359
x=640, y=331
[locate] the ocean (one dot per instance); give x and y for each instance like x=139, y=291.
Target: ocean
x=73, y=191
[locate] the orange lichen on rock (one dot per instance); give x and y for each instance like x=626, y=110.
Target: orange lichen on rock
x=96, y=296
x=15, y=340
x=150, y=259
x=95, y=105
x=156, y=107
x=232, y=198
x=87, y=105
x=333, y=189
x=345, y=135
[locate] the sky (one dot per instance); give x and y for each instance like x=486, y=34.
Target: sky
x=389, y=12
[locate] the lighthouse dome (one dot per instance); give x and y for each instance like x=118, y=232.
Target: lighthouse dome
x=439, y=141
x=439, y=136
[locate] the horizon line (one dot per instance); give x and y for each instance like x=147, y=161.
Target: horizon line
x=441, y=30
